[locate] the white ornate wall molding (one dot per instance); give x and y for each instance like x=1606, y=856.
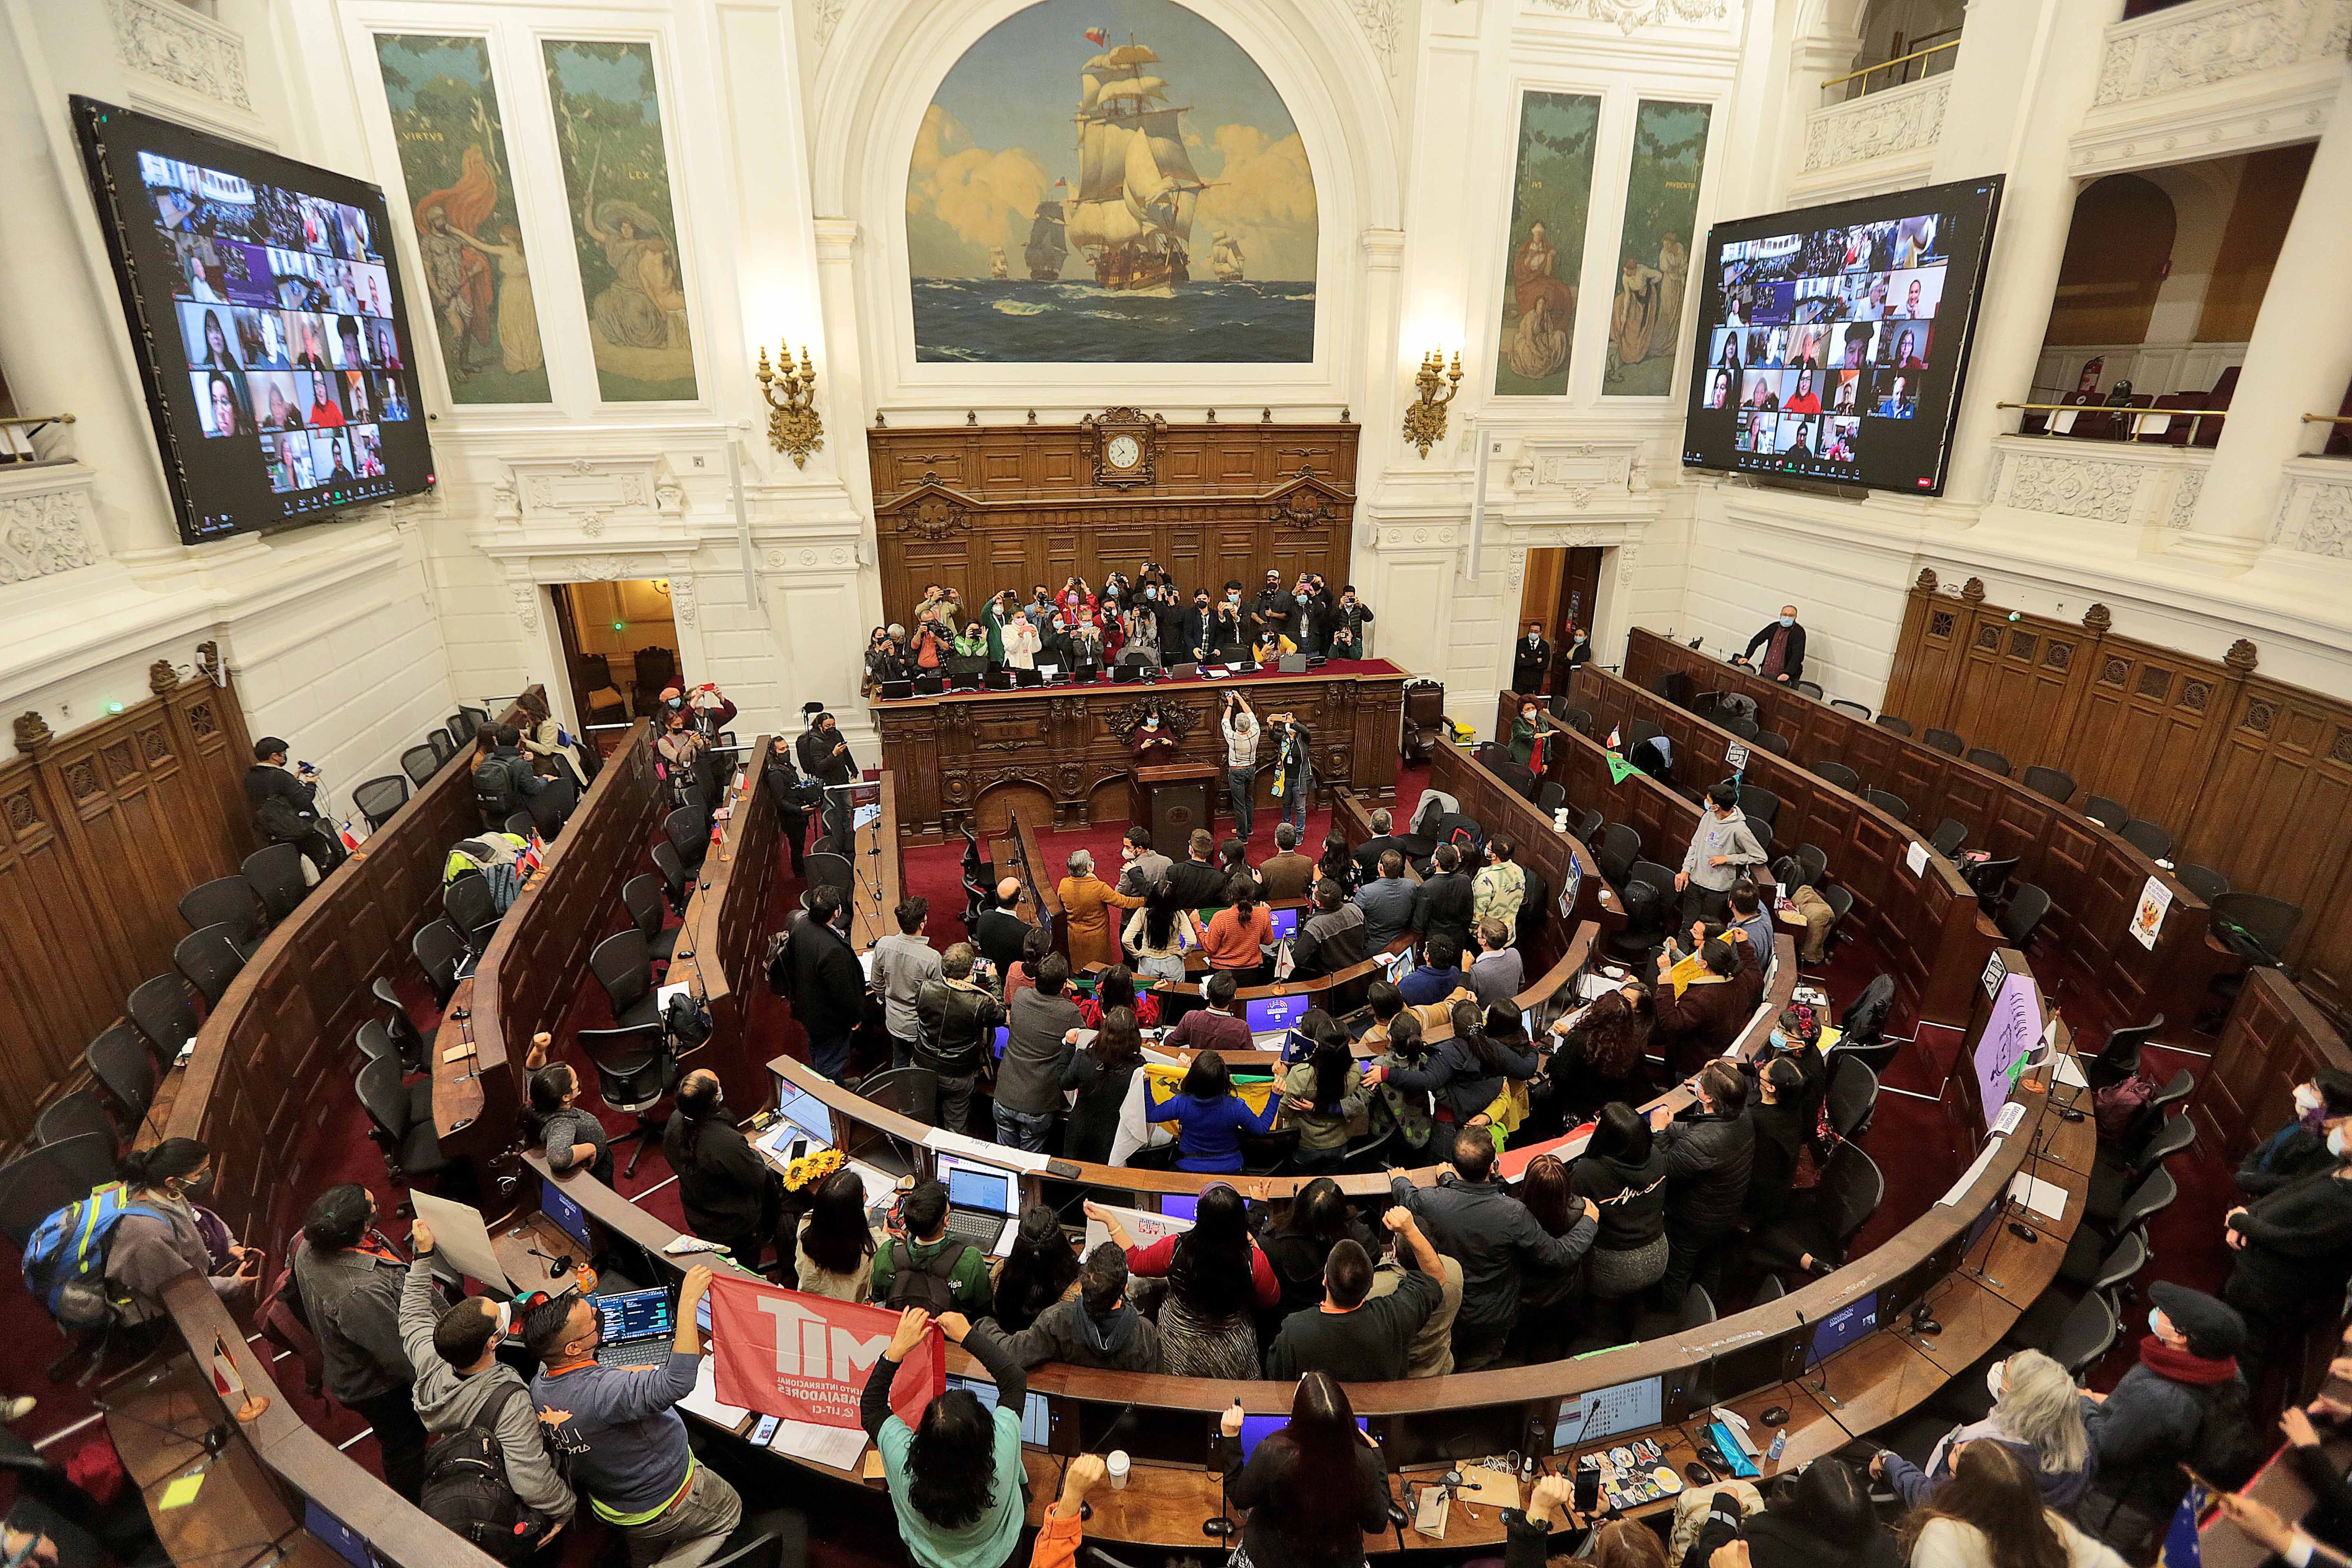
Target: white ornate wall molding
x=49, y=523
x=1881, y=140
x=2114, y=483
x=174, y=43
x=1382, y=22
x=1632, y=15
x=2314, y=515
x=2211, y=77
x=828, y=21
x=1548, y=472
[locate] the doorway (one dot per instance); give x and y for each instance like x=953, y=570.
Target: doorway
x=620, y=647
x=1561, y=590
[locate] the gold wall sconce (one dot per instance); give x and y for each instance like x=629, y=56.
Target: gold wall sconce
x=1424, y=420
x=794, y=428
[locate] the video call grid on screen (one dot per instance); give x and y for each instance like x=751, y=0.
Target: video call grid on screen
x=279, y=353
x=1833, y=339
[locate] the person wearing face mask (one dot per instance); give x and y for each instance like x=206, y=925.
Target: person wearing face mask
x=352, y=1281
x=460, y=1381
x=1230, y=639
x=1783, y=643
x=2037, y=1414
x=1196, y=634
x=1721, y=849
x=1580, y=651
x=161, y=1237
x=1275, y=612
x=994, y=616
x=1530, y=660
x=1154, y=746
x=707, y=713
x=825, y=754
x=1139, y=629
x=1021, y=642
x=1349, y=616
x=2299, y=1148
x=2291, y=1251
x=2183, y=1402
x=729, y=1194
x=783, y=786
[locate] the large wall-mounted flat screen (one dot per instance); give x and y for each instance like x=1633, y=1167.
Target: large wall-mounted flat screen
x=1831, y=340
x=266, y=316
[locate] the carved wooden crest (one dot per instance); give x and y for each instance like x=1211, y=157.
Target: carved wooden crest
x=933, y=517
x=1126, y=446
x=1175, y=718
x=1302, y=508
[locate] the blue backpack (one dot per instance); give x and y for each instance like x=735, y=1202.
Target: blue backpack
x=65, y=1261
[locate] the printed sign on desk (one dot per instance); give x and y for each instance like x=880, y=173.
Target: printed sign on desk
x=806, y=1358
x=2148, y=921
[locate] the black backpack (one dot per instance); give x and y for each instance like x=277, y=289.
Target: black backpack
x=465, y=1486
x=926, y=1285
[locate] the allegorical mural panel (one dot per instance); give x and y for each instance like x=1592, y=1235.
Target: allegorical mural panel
x=453, y=158
x=1550, y=196
x=1110, y=180
x=1645, y=318
x=608, y=128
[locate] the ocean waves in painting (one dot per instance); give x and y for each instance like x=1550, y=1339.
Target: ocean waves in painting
x=1010, y=321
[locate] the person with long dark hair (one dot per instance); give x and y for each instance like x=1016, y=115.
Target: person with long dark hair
x=729, y=1192
x=1101, y=1071
x=1338, y=864
x=1115, y=988
x=1323, y=1095
x=554, y=1119
x=1991, y=1514
x=1217, y=1276
x=1318, y=1220
x=1238, y=935
x=1547, y=1290
x=1820, y=1517
x=1465, y=1071
x=1314, y=1488
x=350, y=1283
x=1598, y=1058
x=1160, y=933
x=1210, y=1118
x=1041, y=1269
x=164, y=1235
x=955, y=1479
x=837, y=1242
x=1623, y=1172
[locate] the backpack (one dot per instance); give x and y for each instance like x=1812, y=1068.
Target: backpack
x=2223, y=1449
x=465, y=1486
x=65, y=1261
x=2118, y=1105
x=780, y=963
x=494, y=786
x=928, y=1285
x=687, y=1022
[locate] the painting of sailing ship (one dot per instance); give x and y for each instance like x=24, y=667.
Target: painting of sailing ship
x=1148, y=176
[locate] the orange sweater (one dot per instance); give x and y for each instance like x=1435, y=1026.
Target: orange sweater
x=1230, y=944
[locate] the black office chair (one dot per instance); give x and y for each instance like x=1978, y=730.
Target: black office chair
x=1945, y=741
x=774, y=1538
x=2051, y=783
x=1863, y=1028
x=520, y=823
x=1838, y=774
x=1851, y=1188
x=673, y=876
x=1889, y=721
x=1697, y=1310
x=553, y=807
x=1773, y=741
x=442, y=747
x=2177, y=1088
x=404, y=1034
x=625, y=968
x=378, y=798
x=1816, y=861
x=2203, y=880
x=439, y=948
x=1745, y=729
x=2119, y=1058
x=634, y=1073
x=2110, y=814
x=2028, y=907
x=1839, y=899
x=1852, y=1096
x=1789, y=872
x=420, y=763
x=1578, y=719
x=2128, y=1147
x=210, y=960
x=2255, y=925
x=1949, y=835
x=1588, y=827
x=642, y=896
x=1989, y=878
x=824, y=868
x=2087, y=1333
x=375, y=1043
x=1650, y=900
x=470, y=905
x=689, y=831
x=466, y=722
x=125, y=1067
x=1550, y=795
x=276, y=874
x=2087, y=1269
x=1619, y=847
x=2149, y=839
x=2112, y=1180
x=161, y=1009
x=412, y=1150
x=1771, y=1289
x=1988, y=758
x=226, y=901
x=1518, y=777
x=1758, y=805
x=1893, y=805
x=79, y=1115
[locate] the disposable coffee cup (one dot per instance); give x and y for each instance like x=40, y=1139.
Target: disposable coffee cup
x=1115, y=1464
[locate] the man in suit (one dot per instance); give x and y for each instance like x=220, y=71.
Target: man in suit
x=1444, y=906
x=285, y=808
x=1196, y=632
x=1000, y=934
x=1783, y=643
x=827, y=985
x=1146, y=867
x=1383, y=840
x=1530, y=660
x=1195, y=881
x=1286, y=875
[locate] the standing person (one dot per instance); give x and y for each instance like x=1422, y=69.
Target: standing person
x=1240, y=732
x=1217, y=1276
x=834, y=1253
x=1159, y=934
x=1097, y=1327
x=1099, y=1072
x=1334, y=937
x=625, y=1440
x=1275, y=612
x=1294, y=772
x=160, y=1237
x=1301, y=1242
x=1721, y=848
x=351, y=1281
x=1002, y=936
x=1086, y=903
x=927, y=1268
x=1500, y=885
x=1146, y=867
x=1349, y=1334
x=1285, y=873
x=1783, y=643
x=1195, y=882
x=1322, y=1096
x=1388, y=901
x=1599, y=1057
x=1313, y=1489
x=1527, y=732
x=1041, y=1269
x=460, y=1380
x=1114, y=989
x=1447, y=900
x=1349, y=620
x=2037, y=1415
x=2183, y=1399
x=1339, y=862
x=1465, y=1071
x=1210, y=1118
x=955, y=1481
x=1197, y=632
x=1037, y=1049
x=1991, y=1515
x=904, y=962
x=1709, y=1159
x=1530, y=660
x=1383, y=840
x=1495, y=975
x=825, y=751
x=2300, y=1147
x=678, y=752
x=1237, y=936
x=1624, y=1173
x=956, y=1022
x=1472, y=1216
x=2291, y=1250
x=827, y=982
x=729, y=1195
x=542, y=736
x=286, y=804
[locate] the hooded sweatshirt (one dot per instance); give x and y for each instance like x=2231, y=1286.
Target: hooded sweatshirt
x=1729, y=836
x=1124, y=1339
x=448, y=1399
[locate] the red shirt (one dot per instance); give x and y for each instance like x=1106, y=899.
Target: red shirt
x=1147, y=1011
x=1152, y=1262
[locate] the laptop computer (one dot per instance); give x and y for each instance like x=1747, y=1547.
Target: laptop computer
x=569, y=1216
x=638, y=1327
x=1286, y=923
x=893, y=689
x=1184, y=671
x=983, y=1201
x=1292, y=664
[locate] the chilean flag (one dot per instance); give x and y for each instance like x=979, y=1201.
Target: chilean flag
x=1098, y=37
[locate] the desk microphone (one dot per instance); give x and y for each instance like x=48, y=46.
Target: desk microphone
x=1820, y=1382
x=1221, y=1526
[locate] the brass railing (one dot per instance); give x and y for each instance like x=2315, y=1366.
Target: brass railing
x=2135, y=414
x=1866, y=71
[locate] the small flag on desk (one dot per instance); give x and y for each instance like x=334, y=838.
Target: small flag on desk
x=1620, y=769
x=532, y=853
x=1616, y=743
x=352, y=838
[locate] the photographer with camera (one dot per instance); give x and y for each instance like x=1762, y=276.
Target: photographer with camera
x=286, y=804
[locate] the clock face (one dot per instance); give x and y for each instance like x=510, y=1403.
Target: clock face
x=1124, y=452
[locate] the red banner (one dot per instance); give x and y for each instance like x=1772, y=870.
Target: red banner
x=806, y=1358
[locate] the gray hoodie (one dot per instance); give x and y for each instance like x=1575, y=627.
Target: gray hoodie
x=1730, y=836
x=447, y=1401
x=1126, y=1341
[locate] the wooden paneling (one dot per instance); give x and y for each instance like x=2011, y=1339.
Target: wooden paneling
x=2253, y=777
x=101, y=831
x=983, y=507
x=2274, y=1039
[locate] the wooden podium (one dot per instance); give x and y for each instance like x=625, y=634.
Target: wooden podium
x=1171, y=800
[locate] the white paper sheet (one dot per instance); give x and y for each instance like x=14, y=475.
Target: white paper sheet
x=2062, y=422
x=838, y=1446
x=2047, y=1199
x=2070, y=1072
x=2154, y=424
x=703, y=1400
x=460, y=1237
x=1916, y=857
x=938, y=1141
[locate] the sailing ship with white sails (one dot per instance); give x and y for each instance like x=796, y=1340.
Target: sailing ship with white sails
x=1225, y=258
x=1137, y=186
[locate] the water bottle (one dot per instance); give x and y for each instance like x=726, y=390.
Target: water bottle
x=1780, y=1446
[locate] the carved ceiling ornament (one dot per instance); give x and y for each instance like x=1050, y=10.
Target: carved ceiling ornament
x=934, y=517
x=32, y=732
x=1972, y=592
x=1303, y=508
x=1927, y=579
x=2241, y=656
x=1632, y=15
x=162, y=676
x=2098, y=618
x=1877, y=126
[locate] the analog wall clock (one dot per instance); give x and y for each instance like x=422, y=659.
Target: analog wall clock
x=1126, y=446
